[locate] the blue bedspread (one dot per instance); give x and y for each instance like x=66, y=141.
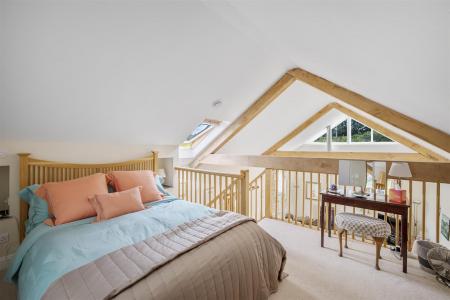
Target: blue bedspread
x=47, y=253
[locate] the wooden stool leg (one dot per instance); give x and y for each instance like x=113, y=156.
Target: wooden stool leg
x=340, y=232
x=378, y=243
x=346, y=233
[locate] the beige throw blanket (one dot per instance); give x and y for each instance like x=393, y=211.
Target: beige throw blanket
x=223, y=256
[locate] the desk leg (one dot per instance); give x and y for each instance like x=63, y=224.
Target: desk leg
x=329, y=219
x=322, y=208
x=404, y=250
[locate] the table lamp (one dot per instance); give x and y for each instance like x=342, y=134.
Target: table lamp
x=399, y=170
x=353, y=173
x=162, y=174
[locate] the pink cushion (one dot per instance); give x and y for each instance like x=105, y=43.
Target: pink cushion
x=125, y=180
x=116, y=204
x=68, y=200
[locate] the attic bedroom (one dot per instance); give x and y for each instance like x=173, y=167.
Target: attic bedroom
x=227, y=149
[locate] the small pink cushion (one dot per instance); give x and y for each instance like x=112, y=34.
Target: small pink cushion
x=125, y=180
x=68, y=200
x=116, y=204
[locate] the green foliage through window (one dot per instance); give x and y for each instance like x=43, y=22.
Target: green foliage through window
x=339, y=133
x=359, y=133
x=322, y=139
x=378, y=137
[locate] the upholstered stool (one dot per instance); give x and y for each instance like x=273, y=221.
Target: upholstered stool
x=363, y=225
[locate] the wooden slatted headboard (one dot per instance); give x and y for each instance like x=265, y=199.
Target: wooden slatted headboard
x=36, y=171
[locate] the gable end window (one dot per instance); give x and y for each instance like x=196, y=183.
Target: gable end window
x=352, y=131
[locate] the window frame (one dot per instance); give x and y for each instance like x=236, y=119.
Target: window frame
x=349, y=135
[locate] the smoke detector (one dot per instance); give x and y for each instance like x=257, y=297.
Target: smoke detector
x=217, y=103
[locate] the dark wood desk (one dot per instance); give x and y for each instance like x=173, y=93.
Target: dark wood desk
x=387, y=207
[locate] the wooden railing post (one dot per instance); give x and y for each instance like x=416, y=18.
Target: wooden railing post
x=155, y=161
x=438, y=211
x=23, y=170
x=268, y=193
x=244, y=192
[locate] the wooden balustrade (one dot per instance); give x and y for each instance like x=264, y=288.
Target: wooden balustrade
x=224, y=191
x=294, y=196
x=257, y=193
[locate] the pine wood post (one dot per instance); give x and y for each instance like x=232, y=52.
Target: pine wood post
x=438, y=211
x=244, y=192
x=23, y=169
x=424, y=201
x=155, y=161
x=268, y=193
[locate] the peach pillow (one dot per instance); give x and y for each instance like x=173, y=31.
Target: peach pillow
x=68, y=200
x=125, y=180
x=116, y=204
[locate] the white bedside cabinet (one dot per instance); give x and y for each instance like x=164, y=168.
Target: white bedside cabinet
x=9, y=240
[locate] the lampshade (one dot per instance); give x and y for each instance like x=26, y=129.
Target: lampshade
x=352, y=172
x=400, y=169
x=161, y=173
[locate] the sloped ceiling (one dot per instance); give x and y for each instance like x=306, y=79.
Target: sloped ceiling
x=148, y=71
x=299, y=102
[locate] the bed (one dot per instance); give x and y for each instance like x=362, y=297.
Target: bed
x=173, y=249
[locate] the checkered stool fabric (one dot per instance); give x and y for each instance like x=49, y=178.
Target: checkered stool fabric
x=360, y=224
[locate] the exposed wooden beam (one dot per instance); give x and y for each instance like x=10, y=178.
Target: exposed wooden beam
x=248, y=115
x=299, y=129
x=430, y=172
x=423, y=131
x=273, y=162
x=427, y=153
x=421, y=171
x=383, y=156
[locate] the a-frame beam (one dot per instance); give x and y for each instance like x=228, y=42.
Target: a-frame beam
x=246, y=117
x=423, y=131
x=299, y=129
x=382, y=156
x=422, y=171
x=427, y=153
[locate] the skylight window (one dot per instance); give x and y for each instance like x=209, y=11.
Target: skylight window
x=201, y=128
x=200, y=132
x=352, y=131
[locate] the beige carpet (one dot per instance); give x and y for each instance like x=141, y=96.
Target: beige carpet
x=319, y=273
